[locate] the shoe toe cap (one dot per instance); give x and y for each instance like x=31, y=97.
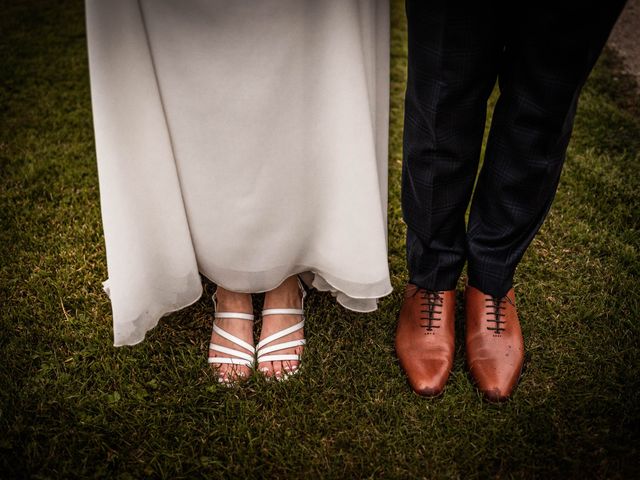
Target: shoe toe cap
x=495, y=381
x=427, y=390
x=495, y=394
x=429, y=377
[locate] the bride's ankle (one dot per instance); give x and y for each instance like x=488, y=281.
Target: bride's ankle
x=234, y=301
x=286, y=295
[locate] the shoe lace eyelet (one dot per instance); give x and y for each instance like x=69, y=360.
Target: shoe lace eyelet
x=496, y=317
x=430, y=309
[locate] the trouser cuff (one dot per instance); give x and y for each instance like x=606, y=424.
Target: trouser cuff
x=491, y=279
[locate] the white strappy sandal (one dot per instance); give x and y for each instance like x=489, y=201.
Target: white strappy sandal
x=265, y=354
x=239, y=357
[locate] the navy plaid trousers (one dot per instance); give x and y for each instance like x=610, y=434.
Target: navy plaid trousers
x=541, y=54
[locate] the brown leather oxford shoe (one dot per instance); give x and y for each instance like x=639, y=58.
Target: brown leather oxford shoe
x=425, y=338
x=495, y=347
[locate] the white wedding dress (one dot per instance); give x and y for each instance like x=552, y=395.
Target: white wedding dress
x=242, y=139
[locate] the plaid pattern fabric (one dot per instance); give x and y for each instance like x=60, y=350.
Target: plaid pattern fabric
x=540, y=54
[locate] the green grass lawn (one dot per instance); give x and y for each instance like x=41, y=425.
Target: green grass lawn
x=73, y=406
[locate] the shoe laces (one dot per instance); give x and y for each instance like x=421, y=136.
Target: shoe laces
x=431, y=308
x=495, y=314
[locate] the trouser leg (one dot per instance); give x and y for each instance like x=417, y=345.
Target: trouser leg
x=549, y=51
x=454, y=49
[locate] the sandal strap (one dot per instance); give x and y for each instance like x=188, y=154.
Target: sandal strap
x=282, y=311
x=280, y=334
x=230, y=351
x=281, y=346
x=231, y=361
x=241, y=316
x=302, y=289
x=233, y=338
x=278, y=358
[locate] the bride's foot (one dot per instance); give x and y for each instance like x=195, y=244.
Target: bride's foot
x=288, y=296
x=232, y=366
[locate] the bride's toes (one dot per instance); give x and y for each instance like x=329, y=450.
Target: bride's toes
x=270, y=370
x=265, y=370
x=232, y=374
x=238, y=373
x=289, y=370
x=224, y=377
x=277, y=370
x=220, y=372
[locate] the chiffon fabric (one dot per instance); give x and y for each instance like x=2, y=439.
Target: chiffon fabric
x=242, y=140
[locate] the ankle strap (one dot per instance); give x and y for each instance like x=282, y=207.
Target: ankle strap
x=241, y=316
x=289, y=311
x=282, y=311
